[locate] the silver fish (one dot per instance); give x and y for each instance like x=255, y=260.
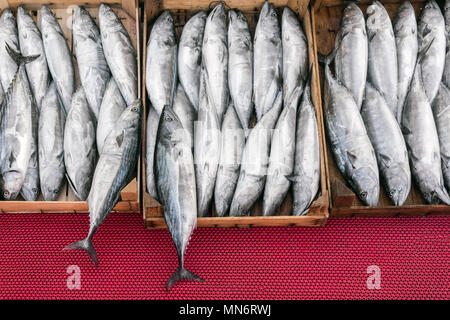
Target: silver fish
x=80, y=150
x=215, y=60
x=8, y=36
x=111, y=108
x=115, y=169
x=150, y=141
x=387, y=140
x=255, y=160
x=267, y=61
x=421, y=137
x=175, y=178
x=59, y=57
x=119, y=53
x=431, y=34
x=240, y=66
x=92, y=65
x=190, y=55
x=295, y=54
x=306, y=177
x=17, y=129
x=350, y=144
x=446, y=76
x=232, y=144
x=51, y=145
x=161, y=65
x=382, y=67
x=31, y=43
x=185, y=112
x=441, y=112
x=281, y=160
x=351, y=59
x=405, y=30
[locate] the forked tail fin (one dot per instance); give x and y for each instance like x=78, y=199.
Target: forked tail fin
x=18, y=58
x=182, y=274
x=86, y=245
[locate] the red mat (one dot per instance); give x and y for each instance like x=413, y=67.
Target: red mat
x=412, y=254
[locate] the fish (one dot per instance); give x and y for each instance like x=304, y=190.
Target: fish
x=30, y=40
x=306, y=176
x=441, y=113
x=17, y=128
x=51, y=145
x=58, y=55
x=295, y=54
x=175, y=179
x=119, y=53
x=348, y=140
x=190, y=56
x=432, y=40
x=206, y=148
x=350, y=63
x=80, y=152
x=215, y=60
x=405, y=31
x=390, y=148
x=255, y=161
x=240, y=66
x=185, y=112
x=92, y=65
x=382, y=69
x=161, y=64
x=232, y=144
x=281, y=160
x=111, y=108
x=267, y=60
x=150, y=142
x=116, y=167
x=8, y=36
x=446, y=75
x=422, y=142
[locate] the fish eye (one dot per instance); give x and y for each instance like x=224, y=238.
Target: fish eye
x=363, y=195
x=35, y=190
x=391, y=193
x=5, y=193
x=273, y=14
x=167, y=118
x=134, y=109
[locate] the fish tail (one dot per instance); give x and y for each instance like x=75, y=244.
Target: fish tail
x=86, y=245
x=18, y=58
x=182, y=274
x=443, y=195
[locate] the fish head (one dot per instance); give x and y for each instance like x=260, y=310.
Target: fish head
x=289, y=19
x=431, y=14
x=377, y=17
x=8, y=23
x=11, y=183
x=217, y=19
x=405, y=19
x=303, y=197
x=164, y=28
x=352, y=15
x=366, y=185
x=108, y=19
x=398, y=185
x=170, y=128
x=268, y=18
x=48, y=20
x=82, y=21
x=130, y=117
x=237, y=20
x=30, y=190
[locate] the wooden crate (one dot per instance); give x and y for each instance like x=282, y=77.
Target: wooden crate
x=181, y=12
x=127, y=11
x=326, y=18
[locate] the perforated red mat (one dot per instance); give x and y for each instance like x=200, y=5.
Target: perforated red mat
x=413, y=255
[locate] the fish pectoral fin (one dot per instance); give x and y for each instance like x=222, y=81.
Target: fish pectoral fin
x=352, y=157
x=71, y=183
x=119, y=139
x=405, y=130
x=386, y=160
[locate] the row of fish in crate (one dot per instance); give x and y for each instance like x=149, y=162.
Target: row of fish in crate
x=386, y=109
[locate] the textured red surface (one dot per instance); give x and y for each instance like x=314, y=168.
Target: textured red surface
x=261, y=263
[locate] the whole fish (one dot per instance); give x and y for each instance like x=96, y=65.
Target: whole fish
x=382, y=69
x=387, y=140
x=119, y=53
x=405, y=30
x=421, y=137
x=281, y=160
x=31, y=43
x=255, y=160
x=446, y=76
x=92, y=65
x=51, y=145
x=185, y=112
x=441, y=112
x=8, y=36
x=175, y=178
x=80, y=150
x=215, y=60
x=17, y=129
x=351, y=59
x=161, y=65
x=111, y=108
x=350, y=144
x=295, y=54
x=240, y=66
x=190, y=55
x=206, y=148
x=115, y=169
x=431, y=34
x=267, y=61
x=232, y=144
x=306, y=177
x=150, y=141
